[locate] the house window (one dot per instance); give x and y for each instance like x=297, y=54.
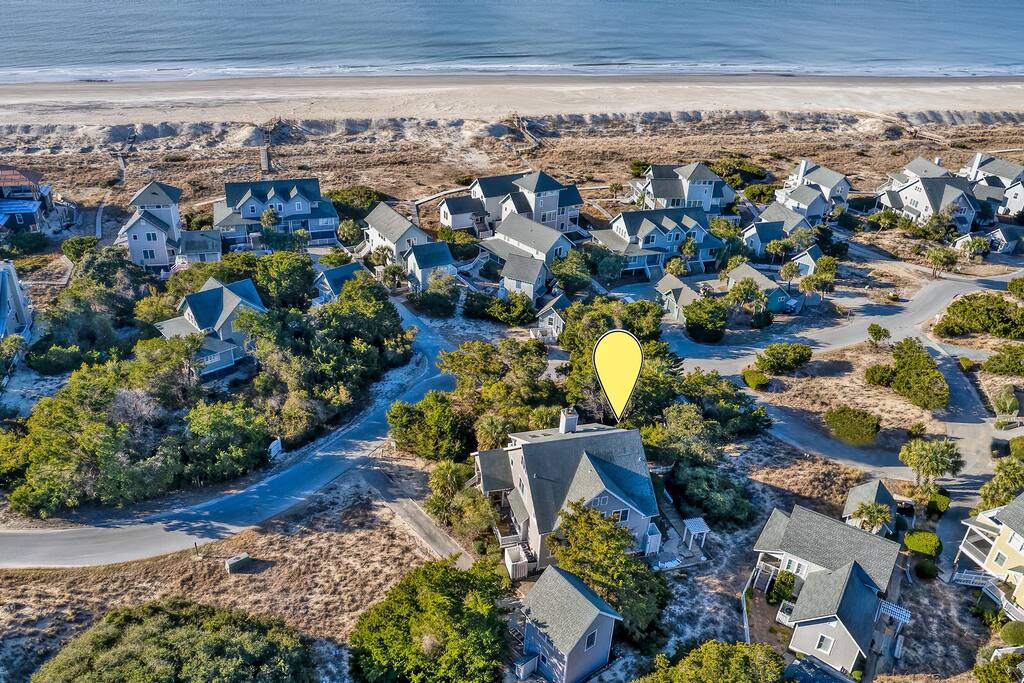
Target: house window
x=1000, y=559
x=148, y=254
x=649, y=239
x=824, y=644
x=151, y=237
x=561, y=211
x=548, y=216
x=521, y=489
x=624, y=515
x=298, y=206
x=603, y=500
x=252, y=208
x=543, y=658
x=591, y=640
x=135, y=237
x=280, y=207
x=19, y=219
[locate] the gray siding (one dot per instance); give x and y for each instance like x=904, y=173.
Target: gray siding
x=580, y=662
x=844, y=653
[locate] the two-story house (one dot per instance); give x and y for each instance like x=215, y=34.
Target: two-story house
x=211, y=312
x=920, y=199
x=992, y=171
x=994, y=542
x=524, y=275
x=666, y=186
x=16, y=313
x=297, y=201
x=520, y=236
x=675, y=295
x=385, y=227
x=328, y=282
x=833, y=185
x=541, y=198
x=775, y=222
x=541, y=472
x=806, y=200
x=913, y=171
x=24, y=199
x=484, y=211
x=649, y=238
x=567, y=629
x=153, y=234
x=842, y=575
x=423, y=260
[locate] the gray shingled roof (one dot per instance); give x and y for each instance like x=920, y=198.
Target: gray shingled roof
x=825, y=177
x=214, y=301
x=768, y=231
x=831, y=544
x=805, y=194
x=923, y=168
x=564, y=607
x=463, y=204
x=522, y=268
x=431, y=254
x=538, y=181
x=156, y=193
x=697, y=171
x=519, y=202
x=1000, y=167
x=261, y=190
x=389, y=223
x=150, y=218
x=745, y=270
x=679, y=291
x=844, y=593
x=665, y=220
x=776, y=212
x=495, y=471
x=337, y=277
x=531, y=233
x=559, y=303
x=941, y=192
x=200, y=241
x=1012, y=514
x=565, y=467
x=873, y=491
x=498, y=185
x=814, y=251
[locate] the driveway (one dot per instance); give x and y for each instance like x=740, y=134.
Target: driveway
x=122, y=541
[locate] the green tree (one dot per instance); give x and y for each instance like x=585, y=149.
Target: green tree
x=286, y=278
x=571, y=272
x=1000, y=670
x=731, y=264
x=177, y=640
x=681, y=434
x=931, y=460
x=270, y=218
x=430, y=429
x=154, y=308
x=610, y=266
x=1006, y=483
x=381, y=256
x=77, y=247
x=941, y=259
x=439, y=624
x=349, y=232
x=828, y=267
x=783, y=357
x=225, y=439
x=878, y=334
x=761, y=193
x=392, y=275
x=336, y=257
x=789, y=272
x=818, y=284
x=746, y=293
x=779, y=248
x=722, y=663
x=1016, y=288
x=975, y=245
x=593, y=548
x=353, y=201
x=706, y=319
x=873, y=515
x=675, y=266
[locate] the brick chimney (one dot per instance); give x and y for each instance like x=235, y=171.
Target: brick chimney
x=567, y=420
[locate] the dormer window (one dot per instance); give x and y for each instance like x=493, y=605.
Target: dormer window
x=298, y=206
x=252, y=208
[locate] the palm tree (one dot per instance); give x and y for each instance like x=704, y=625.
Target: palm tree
x=789, y=271
x=873, y=515
x=931, y=460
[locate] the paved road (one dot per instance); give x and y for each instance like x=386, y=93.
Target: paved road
x=180, y=529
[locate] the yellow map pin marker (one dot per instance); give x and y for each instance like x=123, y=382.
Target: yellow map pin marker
x=617, y=361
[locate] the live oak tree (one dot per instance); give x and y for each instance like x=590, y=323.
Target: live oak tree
x=878, y=334
x=571, y=272
x=941, y=259
x=601, y=554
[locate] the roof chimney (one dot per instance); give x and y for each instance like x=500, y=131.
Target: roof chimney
x=567, y=421
x=938, y=161
x=802, y=171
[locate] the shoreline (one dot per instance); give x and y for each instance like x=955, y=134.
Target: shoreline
x=491, y=97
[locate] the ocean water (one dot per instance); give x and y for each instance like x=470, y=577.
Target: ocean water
x=60, y=40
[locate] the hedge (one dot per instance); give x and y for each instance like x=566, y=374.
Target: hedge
x=852, y=425
x=923, y=542
x=755, y=379
x=982, y=312
x=1017, y=447
x=926, y=569
x=1012, y=633
x=782, y=357
x=880, y=375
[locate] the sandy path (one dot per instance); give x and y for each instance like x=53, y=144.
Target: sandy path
x=490, y=97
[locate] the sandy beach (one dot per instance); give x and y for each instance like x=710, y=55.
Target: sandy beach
x=490, y=97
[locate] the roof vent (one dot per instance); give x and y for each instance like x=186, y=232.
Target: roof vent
x=567, y=421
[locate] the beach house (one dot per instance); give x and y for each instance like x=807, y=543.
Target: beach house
x=297, y=203
x=647, y=239
x=567, y=630
x=551, y=318
x=845, y=583
x=524, y=275
x=992, y=171
x=919, y=199
x=153, y=235
x=387, y=228
x=776, y=298
x=873, y=492
x=211, y=312
x=423, y=260
x=666, y=186
x=24, y=199
x=675, y=295
x=833, y=185
x=807, y=260
x=16, y=312
x=806, y=200
x=520, y=236
x=540, y=472
x=994, y=544
x=531, y=194
x=328, y=282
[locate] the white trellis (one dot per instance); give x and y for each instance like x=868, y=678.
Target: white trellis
x=695, y=531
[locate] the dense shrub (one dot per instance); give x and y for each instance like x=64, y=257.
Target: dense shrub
x=761, y=318
x=704, y=491
x=761, y=193
x=490, y=271
x=755, y=379
x=431, y=429
x=926, y=569
x=77, y=247
x=177, y=640
x=724, y=403
x=1005, y=400
x=917, y=376
x=966, y=364
x=738, y=172
x=983, y=312
x=916, y=431
x=1016, y=287
x=353, y=201
x=1008, y=359
x=1017, y=447
x=1013, y=633
x=705, y=320
x=439, y=299
x=782, y=589
x=1000, y=670
x=53, y=360
x=783, y=357
x=938, y=503
x=923, y=542
x=880, y=375
x=852, y=425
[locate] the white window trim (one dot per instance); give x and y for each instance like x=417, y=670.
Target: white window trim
x=587, y=647
x=821, y=639
x=997, y=561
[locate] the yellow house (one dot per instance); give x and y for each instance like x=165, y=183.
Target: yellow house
x=995, y=542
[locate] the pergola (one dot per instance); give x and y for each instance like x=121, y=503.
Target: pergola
x=695, y=530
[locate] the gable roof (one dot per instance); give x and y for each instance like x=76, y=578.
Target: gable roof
x=215, y=301
x=556, y=305
x=778, y=212
x=697, y=171
x=538, y=181
x=813, y=252
x=873, y=491
x=262, y=190
x=200, y=241
x=498, y=185
x=680, y=292
x=389, y=223
x=829, y=543
x=1012, y=514
x=923, y=168
x=462, y=204
x=528, y=232
x=999, y=167
x=767, y=231
x=639, y=223
x=495, y=471
x=431, y=255
x=745, y=270
x=805, y=194
x=825, y=177
x=941, y=192
x=150, y=218
x=845, y=593
x=11, y=176
x=558, y=475
x=564, y=607
x=336, y=277
x=522, y=268
x=156, y=193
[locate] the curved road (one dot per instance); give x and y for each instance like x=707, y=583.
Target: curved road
x=198, y=524
x=350, y=447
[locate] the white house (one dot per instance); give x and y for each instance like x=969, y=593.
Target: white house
x=328, y=282
x=541, y=198
x=1004, y=239
x=16, y=313
x=423, y=260
x=992, y=171
x=834, y=186
x=385, y=227
x=153, y=234
x=807, y=260
x=520, y=236
x=919, y=199
x=649, y=238
x=464, y=212
x=1014, y=199
x=551, y=318
x=665, y=186
x=806, y=200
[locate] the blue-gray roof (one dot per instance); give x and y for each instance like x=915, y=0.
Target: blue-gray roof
x=261, y=190
x=538, y=181
x=214, y=302
x=846, y=593
x=336, y=277
x=873, y=491
x=389, y=223
x=156, y=193
x=522, y=268
x=431, y=255
x=499, y=185
x=688, y=218
x=564, y=607
x=463, y=204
